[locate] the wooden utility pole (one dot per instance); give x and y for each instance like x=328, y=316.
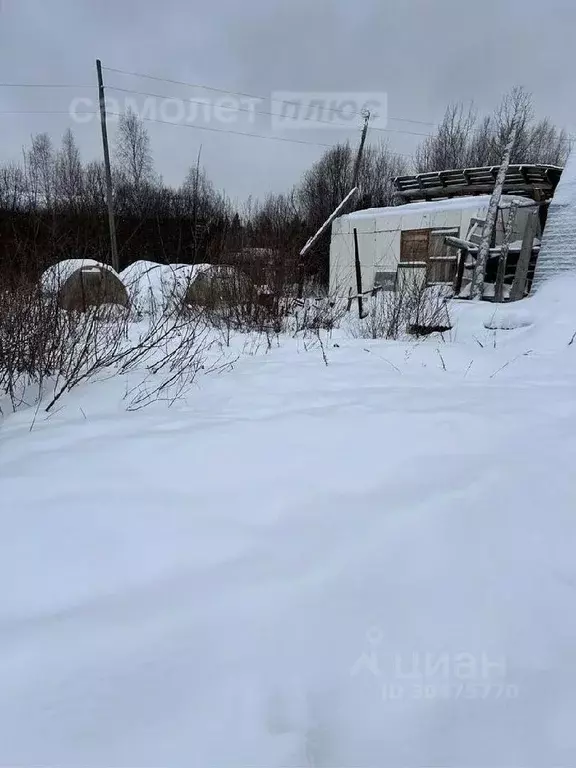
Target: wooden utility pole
x=360, y=149
x=109, y=193
x=519, y=284
x=477, y=287
x=501, y=274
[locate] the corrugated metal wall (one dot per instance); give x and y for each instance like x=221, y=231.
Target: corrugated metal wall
x=558, y=252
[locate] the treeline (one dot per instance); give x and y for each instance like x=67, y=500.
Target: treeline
x=465, y=139
x=53, y=206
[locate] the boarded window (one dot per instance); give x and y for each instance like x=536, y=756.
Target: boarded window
x=414, y=245
x=443, y=258
x=427, y=248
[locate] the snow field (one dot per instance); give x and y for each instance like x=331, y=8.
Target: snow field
x=269, y=572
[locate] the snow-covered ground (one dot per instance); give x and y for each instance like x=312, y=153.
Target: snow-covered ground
x=369, y=563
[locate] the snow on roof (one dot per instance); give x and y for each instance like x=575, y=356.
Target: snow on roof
x=566, y=190
x=437, y=206
x=151, y=270
x=138, y=268
x=181, y=275
x=151, y=285
x=56, y=275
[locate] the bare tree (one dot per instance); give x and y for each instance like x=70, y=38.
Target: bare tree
x=69, y=175
x=327, y=183
x=274, y=218
x=198, y=188
x=450, y=147
x=480, y=151
x=377, y=171
x=465, y=140
x=133, y=151
x=40, y=170
x=12, y=187
x=94, y=185
x=329, y=180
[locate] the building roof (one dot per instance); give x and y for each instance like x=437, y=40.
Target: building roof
x=437, y=206
x=56, y=275
x=536, y=181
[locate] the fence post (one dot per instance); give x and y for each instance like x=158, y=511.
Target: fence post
x=358, y=275
x=519, y=284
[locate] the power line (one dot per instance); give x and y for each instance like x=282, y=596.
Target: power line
x=258, y=112
x=185, y=125
x=43, y=85
x=166, y=122
x=42, y=112
x=247, y=95
x=241, y=133
x=228, y=130
x=221, y=90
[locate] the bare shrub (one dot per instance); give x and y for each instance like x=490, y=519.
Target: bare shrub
x=48, y=351
x=90, y=342
x=386, y=317
x=42, y=345
x=30, y=333
x=414, y=307
x=429, y=311
x=313, y=314
x=173, y=352
x=237, y=298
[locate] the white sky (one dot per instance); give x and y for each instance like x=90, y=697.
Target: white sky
x=422, y=53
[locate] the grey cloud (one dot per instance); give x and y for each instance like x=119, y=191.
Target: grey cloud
x=423, y=53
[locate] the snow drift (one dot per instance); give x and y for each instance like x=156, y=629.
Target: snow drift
x=364, y=563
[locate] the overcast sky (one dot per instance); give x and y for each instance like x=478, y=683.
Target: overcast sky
x=421, y=53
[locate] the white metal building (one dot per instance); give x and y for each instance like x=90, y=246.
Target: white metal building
x=411, y=237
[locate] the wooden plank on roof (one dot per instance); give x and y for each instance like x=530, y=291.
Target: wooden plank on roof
x=534, y=181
